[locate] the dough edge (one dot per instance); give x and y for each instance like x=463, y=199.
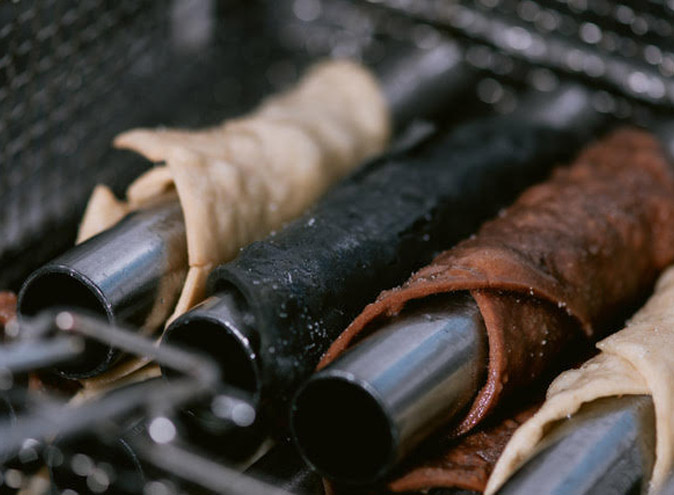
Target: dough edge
x=636, y=360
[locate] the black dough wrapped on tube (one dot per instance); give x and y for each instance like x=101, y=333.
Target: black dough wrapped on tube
x=298, y=289
x=153, y=261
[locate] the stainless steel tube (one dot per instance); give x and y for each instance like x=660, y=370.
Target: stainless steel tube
x=420, y=83
x=221, y=324
x=608, y=447
x=130, y=273
x=356, y=418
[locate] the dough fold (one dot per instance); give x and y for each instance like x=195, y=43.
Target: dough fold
x=635, y=361
x=559, y=267
x=238, y=181
x=465, y=462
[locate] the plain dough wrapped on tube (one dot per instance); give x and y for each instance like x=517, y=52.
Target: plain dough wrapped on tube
x=635, y=361
x=241, y=180
x=559, y=267
x=263, y=168
x=141, y=259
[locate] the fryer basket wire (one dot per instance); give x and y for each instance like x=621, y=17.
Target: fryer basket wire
x=74, y=73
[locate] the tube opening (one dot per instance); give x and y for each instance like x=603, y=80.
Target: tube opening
x=229, y=350
x=342, y=430
x=50, y=289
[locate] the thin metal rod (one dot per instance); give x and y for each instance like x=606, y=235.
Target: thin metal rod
x=354, y=420
x=197, y=469
x=65, y=421
x=128, y=340
x=22, y=357
x=521, y=40
x=199, y=379
x=107, y=444
x=608, y=447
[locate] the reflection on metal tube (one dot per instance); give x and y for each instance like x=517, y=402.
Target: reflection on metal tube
x=608, y=447
x=130, y=273
x=419, y=83
x=356, y=418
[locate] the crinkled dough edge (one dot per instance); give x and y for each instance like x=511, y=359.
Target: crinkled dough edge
x=183, y=165
x=638, y=360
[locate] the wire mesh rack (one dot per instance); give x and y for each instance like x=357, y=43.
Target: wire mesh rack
x=73, y=74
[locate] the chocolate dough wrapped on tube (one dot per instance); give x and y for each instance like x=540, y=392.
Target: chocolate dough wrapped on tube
x=631, y=378
x=235, y=183
x=277, y=306
x=558, y=268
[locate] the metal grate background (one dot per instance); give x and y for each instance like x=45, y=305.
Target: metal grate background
x=73, y=73
x=625, y=47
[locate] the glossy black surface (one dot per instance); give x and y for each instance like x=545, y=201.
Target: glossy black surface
x=302, y=286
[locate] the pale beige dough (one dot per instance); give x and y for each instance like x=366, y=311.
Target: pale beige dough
x=637, y=360
x=103, y=211
x=238, y=181
x=133, y=371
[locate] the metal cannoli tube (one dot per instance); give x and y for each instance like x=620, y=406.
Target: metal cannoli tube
x=392, y=389
x=125, y=274
x=607, y=447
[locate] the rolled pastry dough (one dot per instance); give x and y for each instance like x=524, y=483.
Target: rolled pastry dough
x=240, y=180
x=637, y=360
